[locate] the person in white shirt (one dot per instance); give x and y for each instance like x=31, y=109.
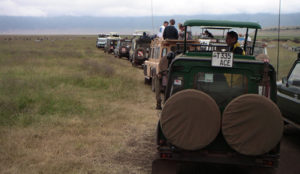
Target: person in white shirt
x=162, y=28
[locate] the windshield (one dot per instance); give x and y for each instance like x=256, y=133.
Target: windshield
x=294, y=78
x=125, y=43
x=222, y=87
x=102, y=39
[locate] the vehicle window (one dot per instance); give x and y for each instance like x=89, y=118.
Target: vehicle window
x=294, y=78
x=157, y=52
x=164, y=52
x=222, y=87
x=152, y=52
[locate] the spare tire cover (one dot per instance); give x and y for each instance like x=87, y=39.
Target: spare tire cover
x=142, y=53
x=252, y=124
x=190, y=119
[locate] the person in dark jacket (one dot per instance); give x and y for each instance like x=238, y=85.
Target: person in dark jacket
x=170, y=31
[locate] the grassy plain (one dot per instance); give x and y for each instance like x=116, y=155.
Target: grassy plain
x=286, y=57
x=66, y=107
x=288, y=36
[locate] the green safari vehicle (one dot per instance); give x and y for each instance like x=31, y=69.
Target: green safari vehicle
x=220, y=108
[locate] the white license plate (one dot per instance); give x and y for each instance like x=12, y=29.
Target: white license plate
x=222, y=59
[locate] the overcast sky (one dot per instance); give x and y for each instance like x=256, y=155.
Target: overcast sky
x=142, y=7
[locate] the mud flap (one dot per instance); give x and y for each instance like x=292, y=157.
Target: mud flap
x=161, y=166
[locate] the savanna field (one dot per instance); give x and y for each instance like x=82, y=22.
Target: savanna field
x=66, y=107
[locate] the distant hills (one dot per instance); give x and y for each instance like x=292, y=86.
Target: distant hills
x=123, y=25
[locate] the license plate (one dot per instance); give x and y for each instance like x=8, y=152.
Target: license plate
x=222, y=59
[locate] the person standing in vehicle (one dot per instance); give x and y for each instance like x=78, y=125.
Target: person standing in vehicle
x=170, y=31
x=232, y=42
x=182, y=32
x=162, y=28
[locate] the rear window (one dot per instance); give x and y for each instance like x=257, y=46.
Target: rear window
x=222, y=87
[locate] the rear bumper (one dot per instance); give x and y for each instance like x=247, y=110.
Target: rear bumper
x=100, y=45
x=217, y=157
x=140, y=61
x=124, y=54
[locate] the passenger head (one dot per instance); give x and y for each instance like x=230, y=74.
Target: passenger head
x=231, y=38
x=181, y=27
x=172, y=22
x=166, y=23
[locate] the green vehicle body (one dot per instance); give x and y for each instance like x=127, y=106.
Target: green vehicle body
x=185, y=67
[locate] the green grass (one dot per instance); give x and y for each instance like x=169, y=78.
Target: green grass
x=66, y=107
x=44, y=78
x=286, y=57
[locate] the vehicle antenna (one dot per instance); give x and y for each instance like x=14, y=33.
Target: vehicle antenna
x=278, y=41
x=152, y=16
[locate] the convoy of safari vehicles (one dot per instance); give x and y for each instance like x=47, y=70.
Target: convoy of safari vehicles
x=219, y=107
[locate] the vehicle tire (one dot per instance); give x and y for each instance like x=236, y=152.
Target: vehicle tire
x=257, y=112
x=153, y=83
x=190, y=119
x=140, y=58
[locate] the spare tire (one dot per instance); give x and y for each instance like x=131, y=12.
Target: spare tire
x=252, y=124
x=190, y=119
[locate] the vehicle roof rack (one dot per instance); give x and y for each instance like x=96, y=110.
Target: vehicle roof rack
x=222, y=23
